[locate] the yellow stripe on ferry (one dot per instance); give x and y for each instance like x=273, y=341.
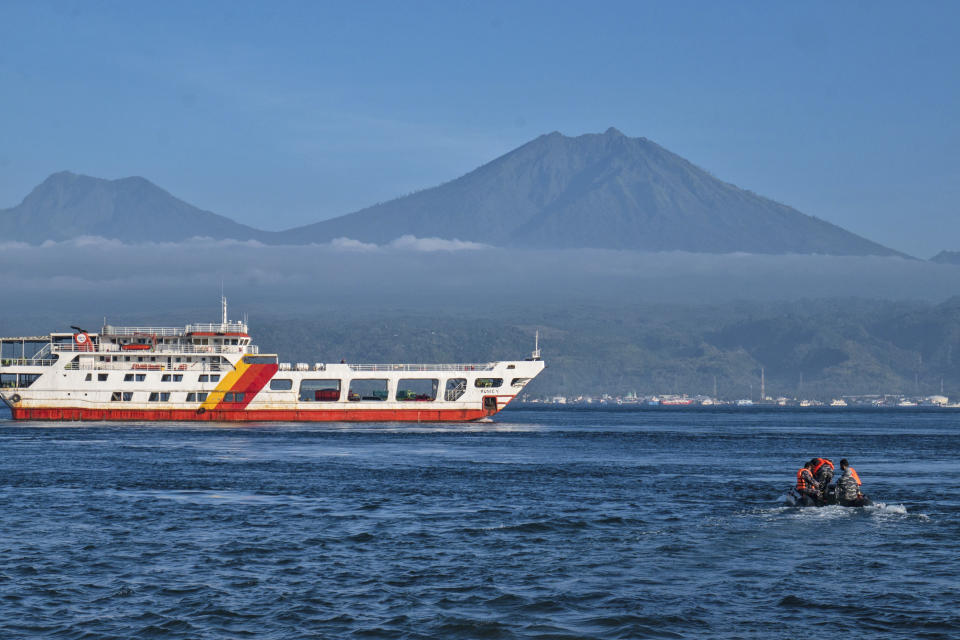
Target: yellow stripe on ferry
x=216, y=396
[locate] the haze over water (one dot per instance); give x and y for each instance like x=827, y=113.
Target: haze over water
x=543, y=524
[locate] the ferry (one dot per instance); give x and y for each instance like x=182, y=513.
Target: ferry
x=212, y=372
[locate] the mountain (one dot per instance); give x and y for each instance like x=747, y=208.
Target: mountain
x=603, y=191
x=947, y=257
x=596, y=190
x=67, y=205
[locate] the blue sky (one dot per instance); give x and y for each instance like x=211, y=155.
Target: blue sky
x=283, y=113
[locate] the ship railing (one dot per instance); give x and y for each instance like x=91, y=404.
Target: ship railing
x=27, y=362
x=160, y=348
x=142, y=367
x=486, y=366
x=217, y=327
x=111, y=330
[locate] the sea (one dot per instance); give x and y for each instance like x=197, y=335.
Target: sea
x=545, y=523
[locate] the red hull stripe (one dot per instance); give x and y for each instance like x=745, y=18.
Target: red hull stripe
x=264, y=415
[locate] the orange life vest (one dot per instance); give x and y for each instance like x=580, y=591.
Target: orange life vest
x=820, y=463
x=855, y=476
x=801, y=481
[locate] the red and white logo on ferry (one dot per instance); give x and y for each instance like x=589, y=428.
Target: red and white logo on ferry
x=83, y=341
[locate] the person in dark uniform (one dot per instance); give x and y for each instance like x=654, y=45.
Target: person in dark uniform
x=848, y=486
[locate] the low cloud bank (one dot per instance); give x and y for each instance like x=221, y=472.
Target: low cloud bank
x=425, y=273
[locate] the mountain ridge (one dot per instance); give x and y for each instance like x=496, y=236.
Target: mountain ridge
x=606, y=191
x=67, y=205
x=599, y=191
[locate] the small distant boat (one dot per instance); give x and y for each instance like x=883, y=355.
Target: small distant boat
x=838, y=403
x=744, y=403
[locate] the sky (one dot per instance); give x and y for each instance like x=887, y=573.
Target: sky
x=284, y=113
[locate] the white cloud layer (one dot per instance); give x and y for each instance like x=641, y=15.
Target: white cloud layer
x=432, y=273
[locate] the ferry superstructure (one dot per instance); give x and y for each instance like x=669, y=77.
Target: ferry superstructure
x=212, y=372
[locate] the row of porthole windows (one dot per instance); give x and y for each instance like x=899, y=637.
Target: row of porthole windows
x=377, y=389
x=164, y=396
x=166, y=377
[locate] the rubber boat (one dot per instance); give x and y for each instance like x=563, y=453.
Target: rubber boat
x=796, y=499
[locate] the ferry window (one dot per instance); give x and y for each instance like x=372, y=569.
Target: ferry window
x=126, y=358
x=177, y=377
x=260, y=359
x=27, y=379
x=115, y=396
x=141, y=377
x=319, y=390
x=127, y=396
x=165, y=377
x=228, y=397
x=204, y=378
x=128, y=377
x=239, y=397
x=191, y=397
x=487, y=383
x=139, y=358
x=281, y=384
x=519, y=382
x=8, y=380
x=88, y=378
x=367, y=389
x=214, y=377
x=101, y=377
x=154, y=397
x=417, y=389
x=456, y=387
x=202, y=397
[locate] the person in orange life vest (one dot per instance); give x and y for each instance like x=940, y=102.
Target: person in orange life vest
x=848, y=486
x=822, y=470
x=807, y=486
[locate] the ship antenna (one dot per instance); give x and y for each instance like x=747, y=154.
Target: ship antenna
x=223, y=303
x=536, y=346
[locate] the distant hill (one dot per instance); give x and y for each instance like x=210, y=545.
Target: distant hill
x=947, y=257
x=600, y=191
x=67, y=205
x=603, y=191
